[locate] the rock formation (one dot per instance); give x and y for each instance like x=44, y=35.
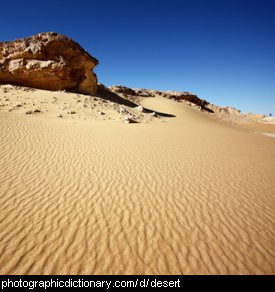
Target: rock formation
x=48, y=61
x=129, y=91
x=178, y=96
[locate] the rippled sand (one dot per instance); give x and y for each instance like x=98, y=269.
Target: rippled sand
x=190, y=196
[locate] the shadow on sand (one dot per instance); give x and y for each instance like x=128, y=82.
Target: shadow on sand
x=111, y=96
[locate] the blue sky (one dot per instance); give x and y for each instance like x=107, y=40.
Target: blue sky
x=222, y=50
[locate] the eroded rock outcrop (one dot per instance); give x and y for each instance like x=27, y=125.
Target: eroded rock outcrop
x=48, y=61
x=178, y=96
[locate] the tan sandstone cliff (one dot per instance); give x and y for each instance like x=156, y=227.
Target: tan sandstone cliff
x=48, y=61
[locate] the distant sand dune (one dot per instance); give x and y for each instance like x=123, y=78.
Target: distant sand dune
x=190, y=196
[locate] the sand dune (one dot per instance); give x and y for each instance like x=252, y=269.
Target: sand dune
x=184, y=195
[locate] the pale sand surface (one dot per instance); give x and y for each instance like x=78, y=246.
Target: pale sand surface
x=269, y=135
x=268, y=120
x=188, y=196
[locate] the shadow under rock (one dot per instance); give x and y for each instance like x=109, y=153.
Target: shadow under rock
x=207, y=109
x=106, y=94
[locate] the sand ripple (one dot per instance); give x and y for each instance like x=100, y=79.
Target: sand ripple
x=118, y=199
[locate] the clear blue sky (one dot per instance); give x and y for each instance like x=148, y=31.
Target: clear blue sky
x=222, y=50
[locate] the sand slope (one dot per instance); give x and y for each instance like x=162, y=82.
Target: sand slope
x=185, y=196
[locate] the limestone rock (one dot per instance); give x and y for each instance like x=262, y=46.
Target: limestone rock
x=129, y=120
x=175, y=95
x=48, y=61
x=122, y=90
x=140, y=108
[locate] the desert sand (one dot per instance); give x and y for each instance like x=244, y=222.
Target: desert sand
x=86, y=193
